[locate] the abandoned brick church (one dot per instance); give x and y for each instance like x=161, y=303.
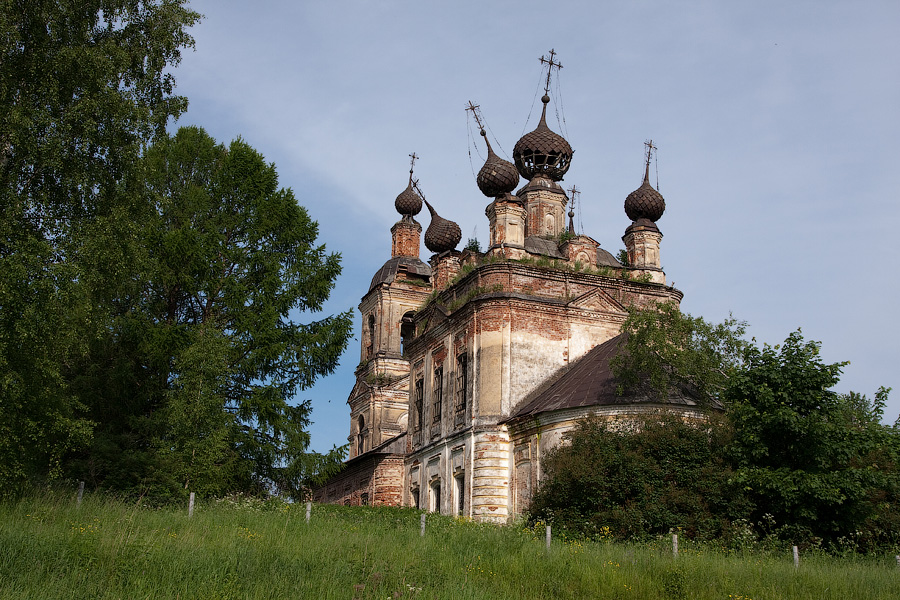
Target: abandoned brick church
x=473, y=365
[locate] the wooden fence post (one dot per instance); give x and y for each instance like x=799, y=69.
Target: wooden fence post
x=422, y=529
x=796, y=557
x=80, y=493
x=675, y=545
x=548, y=537
x=308, y=511
x=191, y=506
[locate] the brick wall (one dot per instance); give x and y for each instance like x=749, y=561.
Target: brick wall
x=405, y=236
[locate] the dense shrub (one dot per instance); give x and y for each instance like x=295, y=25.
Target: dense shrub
x=642, y=479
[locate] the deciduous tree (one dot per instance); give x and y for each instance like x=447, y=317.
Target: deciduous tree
x=665, y=349
x=83, y=87
x=213, y=345
x=810, y=458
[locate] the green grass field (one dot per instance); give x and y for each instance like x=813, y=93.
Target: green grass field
x=49, y=548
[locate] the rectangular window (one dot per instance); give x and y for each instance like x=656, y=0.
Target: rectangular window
x=437, y=394
x=364, y=500
x=460, y=494
x=436, y=496
x=419, y=395
x=462, y=382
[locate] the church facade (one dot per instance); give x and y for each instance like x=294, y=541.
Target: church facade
x=473, y=365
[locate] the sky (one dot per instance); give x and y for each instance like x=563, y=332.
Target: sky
x=776, y=125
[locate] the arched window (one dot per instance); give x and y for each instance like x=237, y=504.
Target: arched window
x=370, y=346
x=360, y=436
x=407, y=330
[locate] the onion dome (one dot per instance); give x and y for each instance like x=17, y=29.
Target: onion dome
x=409, y=202
x=441, y=235
x=497, y=177
x=542, y=152
x=645, y=202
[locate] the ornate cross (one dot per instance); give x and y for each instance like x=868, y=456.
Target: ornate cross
x=474, y=108
x=650, y=149
x=551, y=62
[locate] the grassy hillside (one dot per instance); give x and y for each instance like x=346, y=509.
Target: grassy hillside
x=49, y=548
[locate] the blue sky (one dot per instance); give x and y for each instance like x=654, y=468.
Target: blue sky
x=777, y=126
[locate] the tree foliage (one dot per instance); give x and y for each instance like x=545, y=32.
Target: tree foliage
x=810, y=459
x=639, y=479
x=665, y=350
x=149, y=294
x=791, y=460
x=211, y=337
x=83, y=87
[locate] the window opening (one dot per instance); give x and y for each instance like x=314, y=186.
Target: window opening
x=436, y=496
x=371, y=345
x=360, y=436
x=462, y=382
x=407, y=331
x=419, y=393
x=437, y=394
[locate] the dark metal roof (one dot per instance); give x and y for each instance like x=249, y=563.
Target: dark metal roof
x=546, y=247
x=394, y=445
x=605, y=259
x=542, y=151
x=388, y=272
x=497, y=177
x=645, y=202
x=442, y=234
x=540, y=182
x=588, y=382
x=409, y=202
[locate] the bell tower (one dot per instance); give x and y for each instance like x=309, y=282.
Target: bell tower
x=379, y=400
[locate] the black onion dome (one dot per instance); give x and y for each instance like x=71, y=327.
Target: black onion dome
x=645, y=202
x=441, y=235
x=409, y=202
x=542, y=152
x=497, y=177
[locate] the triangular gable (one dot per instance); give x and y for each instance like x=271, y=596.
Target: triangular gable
x=598, y=300
x=431, y=316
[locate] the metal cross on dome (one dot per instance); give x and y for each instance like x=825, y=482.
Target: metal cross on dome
x=650, y=149
x=551, y=62
x=474, y=108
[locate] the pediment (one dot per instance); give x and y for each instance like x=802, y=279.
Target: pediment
x=433, y=315
x=599, y=301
